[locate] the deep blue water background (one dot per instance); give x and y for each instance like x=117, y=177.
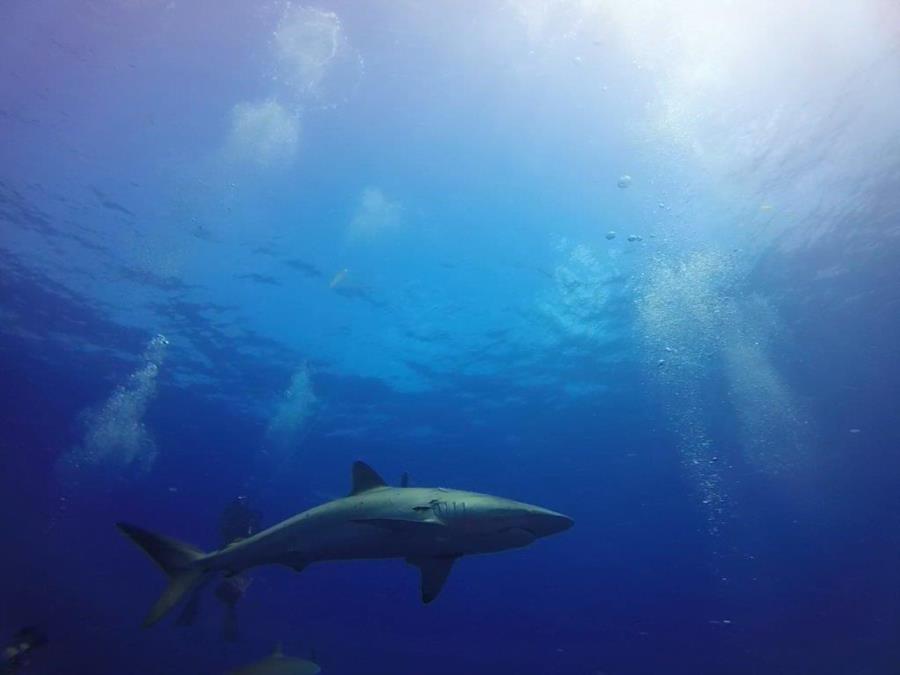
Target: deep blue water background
x=737, y=505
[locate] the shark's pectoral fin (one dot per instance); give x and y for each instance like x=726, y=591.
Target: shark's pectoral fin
x=434, y=573
x=295, y=561
x=410, y=525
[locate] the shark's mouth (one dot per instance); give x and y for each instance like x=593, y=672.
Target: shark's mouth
x=519, y=533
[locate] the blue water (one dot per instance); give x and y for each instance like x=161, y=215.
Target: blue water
x=245, y=244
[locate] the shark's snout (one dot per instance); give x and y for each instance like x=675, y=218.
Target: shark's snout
x=544, y=522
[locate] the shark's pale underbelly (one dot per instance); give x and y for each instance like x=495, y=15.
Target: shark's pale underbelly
x=355, y=541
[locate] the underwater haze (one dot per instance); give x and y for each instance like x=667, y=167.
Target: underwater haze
x=634, y=261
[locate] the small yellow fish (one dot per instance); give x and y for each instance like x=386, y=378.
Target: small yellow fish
x=339, y=277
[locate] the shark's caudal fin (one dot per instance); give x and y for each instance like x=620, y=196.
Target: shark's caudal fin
x=174, y=558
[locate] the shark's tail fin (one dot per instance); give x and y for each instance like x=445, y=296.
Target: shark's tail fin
x=176, y=559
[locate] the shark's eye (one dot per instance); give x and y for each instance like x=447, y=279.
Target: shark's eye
x=421, y=508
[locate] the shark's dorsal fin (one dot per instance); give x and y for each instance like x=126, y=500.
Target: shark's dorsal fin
x=278, y=652
x=365, y=478
x=404, y=479
x=434, y=573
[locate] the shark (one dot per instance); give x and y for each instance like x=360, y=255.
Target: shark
x=279, y=664
x=428, y=527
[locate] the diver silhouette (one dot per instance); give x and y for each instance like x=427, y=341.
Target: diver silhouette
x=238, y=521
x=18, y=652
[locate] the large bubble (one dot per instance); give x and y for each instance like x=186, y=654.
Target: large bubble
x=313, y=66
x=315, y=63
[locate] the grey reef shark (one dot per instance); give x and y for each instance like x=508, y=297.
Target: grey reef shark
x=279, y=664
x=428, y=527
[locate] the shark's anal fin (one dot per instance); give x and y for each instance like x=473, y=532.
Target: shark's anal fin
x=434, y=573
x=400, y=524
x=365, y=478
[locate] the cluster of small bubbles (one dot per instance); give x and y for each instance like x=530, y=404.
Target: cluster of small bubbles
x=295, y=409
x=772, y=422
x=115, y=434
x=691, y=313
x=679, y=314
x=156, y=350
